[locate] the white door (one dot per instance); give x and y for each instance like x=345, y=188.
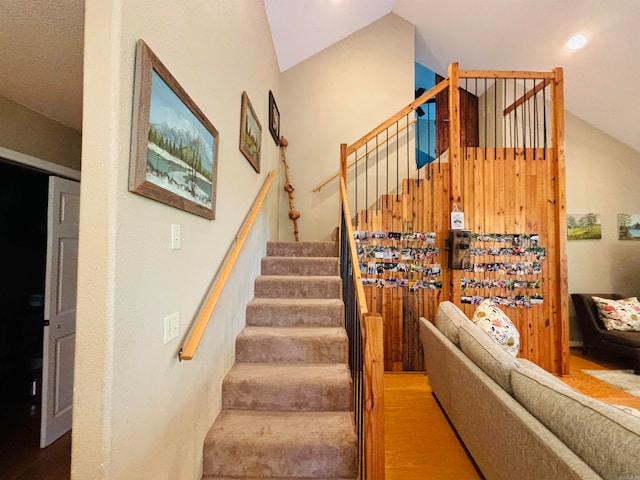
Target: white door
x=60, y=309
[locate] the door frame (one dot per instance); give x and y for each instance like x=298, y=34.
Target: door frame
x=39, y=164
x=35, y=163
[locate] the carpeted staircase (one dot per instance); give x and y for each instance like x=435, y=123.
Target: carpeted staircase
x=286, y=403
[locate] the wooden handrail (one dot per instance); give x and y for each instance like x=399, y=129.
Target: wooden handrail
x=355, y=266
x=432, y=92
x=374, y=396
x=386, y=124
x=202, y=320
x=383, y=142
x=527, y=96
x=511, y=74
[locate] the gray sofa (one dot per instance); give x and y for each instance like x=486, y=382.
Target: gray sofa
x=517, y=420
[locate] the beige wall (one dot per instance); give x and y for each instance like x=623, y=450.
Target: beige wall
x=138, y=412
x=25, y=131
x=336, y=97
x=602, y=177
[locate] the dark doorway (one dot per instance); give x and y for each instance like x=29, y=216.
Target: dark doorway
x=23, y=238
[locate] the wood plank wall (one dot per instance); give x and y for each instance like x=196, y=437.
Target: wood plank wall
x=504, y=190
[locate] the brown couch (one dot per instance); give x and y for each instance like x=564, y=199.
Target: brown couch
x=596, y=337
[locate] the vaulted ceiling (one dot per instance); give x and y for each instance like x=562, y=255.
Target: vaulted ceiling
x=41, y=54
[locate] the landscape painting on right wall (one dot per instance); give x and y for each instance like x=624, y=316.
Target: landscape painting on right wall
x=584, y=226
x=628, y=226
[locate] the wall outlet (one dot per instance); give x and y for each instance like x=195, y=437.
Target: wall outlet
x=176, y=236
x=171, y=327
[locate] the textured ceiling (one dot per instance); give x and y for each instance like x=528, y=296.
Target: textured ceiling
x=41, y=54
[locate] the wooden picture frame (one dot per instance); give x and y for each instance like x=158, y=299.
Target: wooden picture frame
x=274, y=119
x=250, y=133
x=174, y=147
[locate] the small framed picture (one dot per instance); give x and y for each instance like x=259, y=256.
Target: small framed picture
x=250, y=133
x=274, y=119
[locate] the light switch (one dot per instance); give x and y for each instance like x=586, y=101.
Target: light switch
x=171, y=327
x=176, y=236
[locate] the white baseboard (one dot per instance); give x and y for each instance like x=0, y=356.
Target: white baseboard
x=576, y=343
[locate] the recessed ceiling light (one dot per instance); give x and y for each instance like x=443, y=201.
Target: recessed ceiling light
x=577, y=41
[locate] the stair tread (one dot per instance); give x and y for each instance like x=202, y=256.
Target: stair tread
x=296, y=301
x=293, y=332
x=288, y=373
x=302, y=249
x=308, y=278
x=246, y=443
x=293, y=429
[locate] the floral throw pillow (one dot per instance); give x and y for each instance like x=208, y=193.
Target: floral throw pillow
x=622, y=315
x=498, y=326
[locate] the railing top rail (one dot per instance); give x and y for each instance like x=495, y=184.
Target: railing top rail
x=202, y=320
x=357, y=278
x=402, y=113
x=515, y=74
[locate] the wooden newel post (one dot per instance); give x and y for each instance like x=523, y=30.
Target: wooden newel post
x=343, y=162
x=557, y=93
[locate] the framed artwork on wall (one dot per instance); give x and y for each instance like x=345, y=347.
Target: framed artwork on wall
x=274, y=119
x=250, y=133
x=584, y=226
x=628, y=226
x=174, y=147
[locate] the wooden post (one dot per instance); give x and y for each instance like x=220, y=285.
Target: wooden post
x=342, y=198
x=374, y=396
x=557, y=93
x=343, y=162
x=454, y=136
x=455, y=172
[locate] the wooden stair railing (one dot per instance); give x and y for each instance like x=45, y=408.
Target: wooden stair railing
x=440, y=87
x=366, y=355
x=202, y=318
x=509, y=180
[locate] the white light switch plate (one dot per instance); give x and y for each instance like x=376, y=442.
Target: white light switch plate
x=171, y=327
x=176, y=236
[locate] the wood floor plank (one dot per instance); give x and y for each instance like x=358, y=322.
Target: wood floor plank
x=419, y=443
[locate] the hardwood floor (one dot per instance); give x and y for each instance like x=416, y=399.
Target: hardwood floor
x=21, y=457
x=420, y=443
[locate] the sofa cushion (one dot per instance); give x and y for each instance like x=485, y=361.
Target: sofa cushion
x=448, y=320
x=605, y=437
x=487, y=355
x=495, y=323
x=529, y=365
x=621, y=315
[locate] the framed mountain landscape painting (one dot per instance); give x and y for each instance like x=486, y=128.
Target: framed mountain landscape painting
x=174, y=147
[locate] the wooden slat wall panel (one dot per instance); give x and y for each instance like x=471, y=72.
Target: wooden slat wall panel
x=504, y=191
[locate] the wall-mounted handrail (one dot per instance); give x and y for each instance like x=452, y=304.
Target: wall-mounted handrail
x=202, y=320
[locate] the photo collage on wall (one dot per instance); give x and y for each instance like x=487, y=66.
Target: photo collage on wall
x=399, y=259
x=507, y=257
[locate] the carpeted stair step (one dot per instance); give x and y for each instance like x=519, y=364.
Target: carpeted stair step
x=295, y=345
x=295, y=312
x=248, y=444
x=302, y=249
x=287, y=387
x=300, y=266
x=293, y=286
